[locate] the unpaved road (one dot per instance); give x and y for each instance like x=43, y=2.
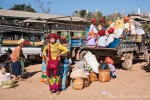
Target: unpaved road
x=131, y=84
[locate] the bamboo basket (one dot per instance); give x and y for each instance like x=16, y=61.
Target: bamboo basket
x=78, y=83
x=93, y=77
x=87, y=81
x=139, y=38
x=104, y=75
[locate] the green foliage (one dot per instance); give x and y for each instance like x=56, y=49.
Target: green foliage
x=22, y=7
x=82, y=13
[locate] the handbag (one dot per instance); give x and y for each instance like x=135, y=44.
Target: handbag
x=52, y=64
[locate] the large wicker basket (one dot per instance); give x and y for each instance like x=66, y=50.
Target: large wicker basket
x=78, y=83
x=104, y=75
x=87, y=81
x=93, y=77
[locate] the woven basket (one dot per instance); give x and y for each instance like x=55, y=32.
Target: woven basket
x=104, y=75
x=87, y=81
x=78, y=83
x=93, y=77
x=139, y=38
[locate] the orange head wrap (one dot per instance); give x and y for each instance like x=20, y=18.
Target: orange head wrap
x=109, y=22
x=126, y=18
x=108, y=60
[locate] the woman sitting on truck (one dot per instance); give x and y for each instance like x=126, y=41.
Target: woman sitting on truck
x=91, y=40
x=102, y=39
x=112, y=39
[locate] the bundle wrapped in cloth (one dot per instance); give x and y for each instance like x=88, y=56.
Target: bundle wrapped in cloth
x=8, y=84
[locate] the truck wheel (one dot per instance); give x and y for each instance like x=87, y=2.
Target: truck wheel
x=146, y=56
x=82, y=54
x=127, y=64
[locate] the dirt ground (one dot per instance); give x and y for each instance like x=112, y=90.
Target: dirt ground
x=131, y=84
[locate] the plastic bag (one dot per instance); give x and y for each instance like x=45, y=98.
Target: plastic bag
x=80, y=64
x=103, y=66
x=92, y=61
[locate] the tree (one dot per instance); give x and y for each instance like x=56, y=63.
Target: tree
x=0, y=7
x=45, y=9
x=129, y=15
x=22, y=7
x=82, y=13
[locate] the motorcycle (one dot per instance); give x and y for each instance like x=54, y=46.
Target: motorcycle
x=6, y=64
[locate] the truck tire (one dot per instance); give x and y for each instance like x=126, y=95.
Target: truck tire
x=127, y=64
x=146, y=56
x=82, y=54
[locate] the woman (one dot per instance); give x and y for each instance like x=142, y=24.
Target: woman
x=53, y=69
x=93, y=26
x=15, y=58
x=102, y=39
x=101, y=25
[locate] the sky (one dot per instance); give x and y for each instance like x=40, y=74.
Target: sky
x=67, y=7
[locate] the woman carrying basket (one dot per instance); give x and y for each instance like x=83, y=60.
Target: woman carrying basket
x=54, y=49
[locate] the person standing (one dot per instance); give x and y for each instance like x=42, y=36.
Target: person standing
x=55, y=50
x=15, y=60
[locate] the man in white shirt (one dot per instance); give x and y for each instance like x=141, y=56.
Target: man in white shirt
x=92, y=26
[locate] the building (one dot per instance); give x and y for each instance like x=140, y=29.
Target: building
x=47, y=22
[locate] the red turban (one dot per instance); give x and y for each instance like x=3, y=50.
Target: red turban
x=108, y=60
x=53, y=35
x=93, y=20
x=111, y=30
x=102, y=20
x=101, y=32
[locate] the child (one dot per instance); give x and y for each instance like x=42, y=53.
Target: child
x=110, y=63
x=55, y=50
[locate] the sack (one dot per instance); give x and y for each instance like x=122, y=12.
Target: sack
x=93, y=77
x=103, y=66
x=52, y=64
x=92, y=61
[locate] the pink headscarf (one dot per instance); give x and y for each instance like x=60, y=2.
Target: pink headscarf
x=102, y=20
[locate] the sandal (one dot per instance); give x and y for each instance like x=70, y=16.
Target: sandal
x=57, y=93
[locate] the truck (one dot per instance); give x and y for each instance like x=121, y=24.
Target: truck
x=125, y=52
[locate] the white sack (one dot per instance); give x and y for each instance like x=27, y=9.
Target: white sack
x=92, y=61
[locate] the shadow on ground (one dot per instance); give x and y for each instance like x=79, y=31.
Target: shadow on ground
x=28, y=75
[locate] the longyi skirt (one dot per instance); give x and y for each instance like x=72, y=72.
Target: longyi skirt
x=16, y=68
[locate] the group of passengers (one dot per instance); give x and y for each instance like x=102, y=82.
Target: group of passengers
x=109, y=37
